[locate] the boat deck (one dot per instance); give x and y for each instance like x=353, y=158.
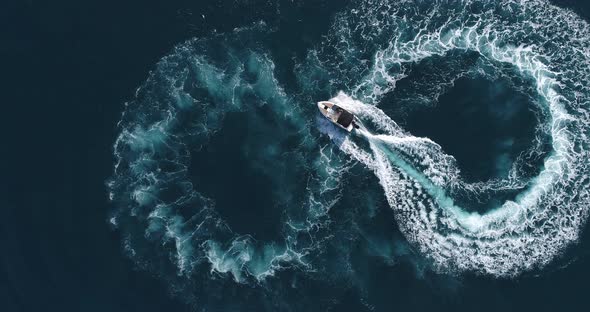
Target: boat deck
x=337, y=115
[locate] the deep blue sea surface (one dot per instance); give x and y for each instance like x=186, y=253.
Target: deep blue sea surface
x=169, y=156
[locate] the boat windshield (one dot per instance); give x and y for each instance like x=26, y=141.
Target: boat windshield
x=345, y=118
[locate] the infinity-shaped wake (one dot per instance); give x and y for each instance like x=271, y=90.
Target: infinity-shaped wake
x=169, y=224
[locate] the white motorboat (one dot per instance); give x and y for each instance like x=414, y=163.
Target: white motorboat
x=338, y=115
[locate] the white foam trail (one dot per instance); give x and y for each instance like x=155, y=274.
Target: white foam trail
x=541, y=42
x=184, y=101
x=493, y=242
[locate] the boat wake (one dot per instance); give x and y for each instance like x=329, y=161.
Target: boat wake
x=418, y=180
x=406, y=56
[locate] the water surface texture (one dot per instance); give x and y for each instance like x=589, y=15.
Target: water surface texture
x=227, y=178
x=468, y=180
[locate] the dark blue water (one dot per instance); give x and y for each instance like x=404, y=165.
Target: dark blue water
x=68, y=69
